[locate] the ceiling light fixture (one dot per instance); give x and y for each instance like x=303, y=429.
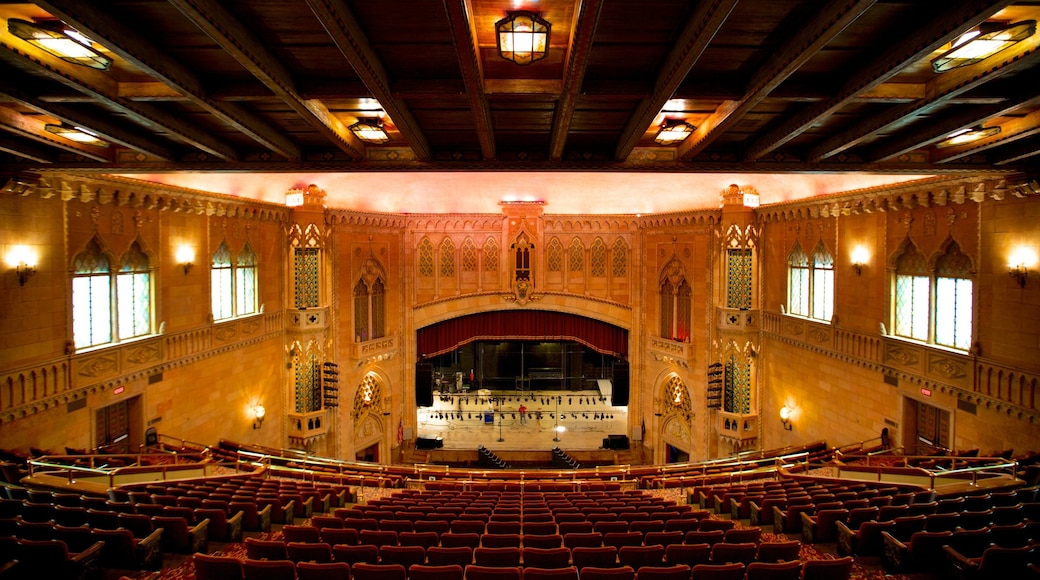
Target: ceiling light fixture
x=77, y=134
x=63, y=42
x=370, y=131
x=523, y=37
x=968, y=136
x=673, y=131
x=981, y=43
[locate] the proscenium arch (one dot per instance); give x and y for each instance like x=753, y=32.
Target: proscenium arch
x=527, y=324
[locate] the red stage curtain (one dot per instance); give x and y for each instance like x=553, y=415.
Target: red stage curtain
x=540, y=325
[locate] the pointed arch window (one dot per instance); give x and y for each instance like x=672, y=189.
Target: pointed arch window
x=370, y=303
x=810, y=283
x=469, y=256
x=246, y=297
x=134, y=294
x=953, y=299
x=447, y=258
x=912, y=294
x=676, y=303
x=490, y=255
x=92, y=297
x=577, y=256
x=426, y=258
x=522, y=248
x=620, y=258
x=221, y=283
x=798, y=274
x=233, y=282
x=554, y=261
x=598, y=258
x=110, y=306
x=822, y=284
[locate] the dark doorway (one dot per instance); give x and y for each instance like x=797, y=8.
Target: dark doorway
x=370, y=454
x=676, y=455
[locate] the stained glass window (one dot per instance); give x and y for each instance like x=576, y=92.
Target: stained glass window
x=620, y=258
x=92, y=297
x=953, y=299
x=308, y=384
x=822, y=284
x=426, y=258
x=555, y=258
x=306, y=266
x=598, y=258
x=798, y=282
x=245, y=282
x=577, y=256
x=912, y=299
x=222, y=283
x=134, y=294
x=490, y=255
x=737, y=389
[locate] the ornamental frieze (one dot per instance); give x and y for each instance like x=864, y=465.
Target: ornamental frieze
x=907, y=357
x=947, y=367
x=99, y=365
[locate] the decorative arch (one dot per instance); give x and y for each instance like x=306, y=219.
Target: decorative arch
x=676, y=307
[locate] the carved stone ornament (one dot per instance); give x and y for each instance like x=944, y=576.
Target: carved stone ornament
x=97, y=366
x=819, y=335
x=908, y=357
x=522, y=293
x=947, y=367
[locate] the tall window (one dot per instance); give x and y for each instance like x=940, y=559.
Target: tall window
x=912, y=289
x=110, y=306
x=676, y=307
x=134, y=294
x=810, y=284
x=944, y=315
x=92, y=297
x=233, y=283
x=369, y=303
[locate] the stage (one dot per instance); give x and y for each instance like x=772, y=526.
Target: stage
x=579, y=419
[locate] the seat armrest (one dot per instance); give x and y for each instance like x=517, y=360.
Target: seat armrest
x=308, y=507
x=894, y=557
x=961, y=565
x=234, y=524
x=846, y=539
x=808, y=528
x=324, y=503
x=778, y=520
x=754, y=517
x=149, y=550
x=91, y=554
x=289, y=512
x=199, y=536
x=264, y=516
x=734, y=509
x=339, y=498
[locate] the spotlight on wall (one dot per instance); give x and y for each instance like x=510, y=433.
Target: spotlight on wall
x=860, y=255
x=1020, y=260
x=23, y=260
x=185, y=258
x=258, y=412
x=785, y=417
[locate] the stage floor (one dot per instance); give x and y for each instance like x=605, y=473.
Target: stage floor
x=461, y=420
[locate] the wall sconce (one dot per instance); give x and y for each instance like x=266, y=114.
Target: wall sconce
x=673, y=131
x=785, y=417
x=860, y=255
x=23, y=260
x=258, y=413
x=983, y=42
x=523, y=37
x=185, y=258
x=370, y=131
x=53, y=37
x=1018, y=274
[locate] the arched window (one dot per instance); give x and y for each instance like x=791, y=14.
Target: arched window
x=598, y=258
x=246, y=282
x=369, y=302
x=92, y=297
x=675, y=300
x=953, y=298
x=134, y=294
x=521, y=249
x=822, y=284
x=620, y=258
x=447, y=258
x=490, y=255
x=798, y=285
x=233, y=284
x=108, y=306
x=810, y=283
x=426, y=258
x=577, y=256
x=912, y=294
x=469, y=255
x=554, y=261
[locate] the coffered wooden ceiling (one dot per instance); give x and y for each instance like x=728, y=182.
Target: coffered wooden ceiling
x=272, y=85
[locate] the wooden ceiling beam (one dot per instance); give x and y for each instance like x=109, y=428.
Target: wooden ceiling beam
x=464, y=37
x=780, y=65
x=32, y=127
x=352, y=42
x=25, y=150
x=104, y=90
x=927, y=36
x=704, y=23
x=586, y=19
x=940, y=91
x=1010, y=132
x=239, y=41
x=1020, y=150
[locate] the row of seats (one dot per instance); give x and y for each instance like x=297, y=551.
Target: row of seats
x=909, y=551
x=477, y=526
x=225, y=568
x=559, y=557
